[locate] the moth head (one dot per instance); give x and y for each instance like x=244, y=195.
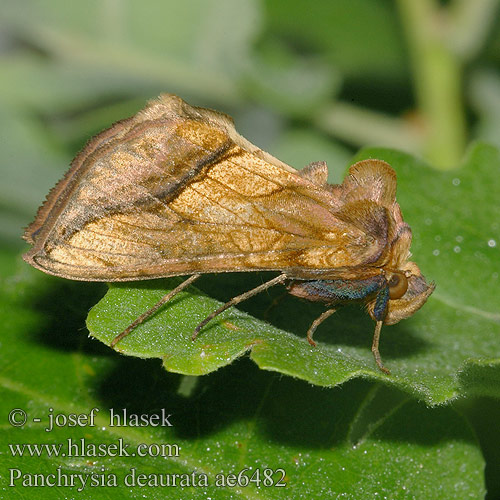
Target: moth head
x=408, y=292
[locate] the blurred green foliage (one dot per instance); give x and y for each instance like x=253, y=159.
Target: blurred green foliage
x=305, y=81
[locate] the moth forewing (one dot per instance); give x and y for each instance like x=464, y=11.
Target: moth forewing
x=175, y=190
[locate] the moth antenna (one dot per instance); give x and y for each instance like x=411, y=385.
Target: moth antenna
x=273, y=304
x=375, y=351
x=153, y=309
x=236, y=300
x=316, y=323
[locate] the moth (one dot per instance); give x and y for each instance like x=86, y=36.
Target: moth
x=175, y=190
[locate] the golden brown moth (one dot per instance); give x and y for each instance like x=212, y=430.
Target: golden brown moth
x=175, y=190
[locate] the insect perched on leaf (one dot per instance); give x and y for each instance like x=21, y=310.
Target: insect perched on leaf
x=175, y=190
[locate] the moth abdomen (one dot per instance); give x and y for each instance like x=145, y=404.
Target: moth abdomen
x=339, y=290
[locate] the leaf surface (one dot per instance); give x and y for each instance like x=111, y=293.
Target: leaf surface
x=448, y=348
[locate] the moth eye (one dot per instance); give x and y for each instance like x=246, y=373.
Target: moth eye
x=398, y=284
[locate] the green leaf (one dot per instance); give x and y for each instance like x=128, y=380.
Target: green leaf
x=361, y=442
x=455, y=218
x=447, y=349
x=284, y=81
x=198, y=46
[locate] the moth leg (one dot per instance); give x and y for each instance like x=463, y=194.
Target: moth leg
x=316, y=323
x=375, y=351
x=236, y=300
x=379, y=311
x=273, y=304
x=153, y=309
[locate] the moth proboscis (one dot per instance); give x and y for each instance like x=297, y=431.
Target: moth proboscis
x=175, y=190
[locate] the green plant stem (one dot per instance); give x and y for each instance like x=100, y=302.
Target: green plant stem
x=438, y=81
x=361, y=126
